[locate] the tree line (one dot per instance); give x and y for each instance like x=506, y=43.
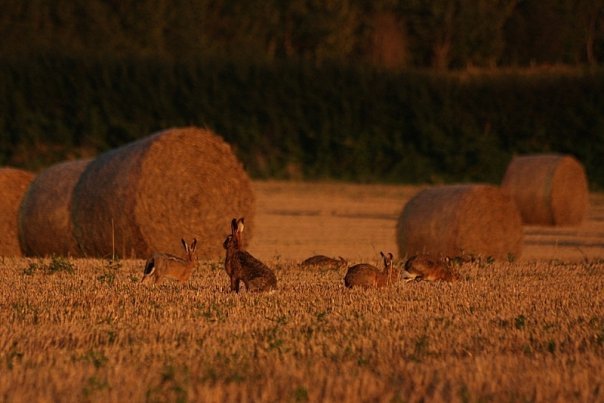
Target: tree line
x=393, y=34
x=399, y=91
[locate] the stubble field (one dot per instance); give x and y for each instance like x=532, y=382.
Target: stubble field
x=529, y=330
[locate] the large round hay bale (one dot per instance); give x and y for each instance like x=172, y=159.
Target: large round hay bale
x=548, y=189
x=45, y=226
x=145, y=196
x=14, y=183
x=460, y=219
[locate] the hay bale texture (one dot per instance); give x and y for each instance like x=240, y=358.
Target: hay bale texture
x=45, y=226
x=548, y=189
x=14, y=184
x=460, y=219
x=147, y=195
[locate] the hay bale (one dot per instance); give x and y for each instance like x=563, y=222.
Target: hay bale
x=45, y=226
x=460, y=219
x=14, y=183
x=548, y=189
x=178, y=183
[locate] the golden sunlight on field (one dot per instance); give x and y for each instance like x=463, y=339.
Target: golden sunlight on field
x=78, y=330
x=297, y=220
x=85, y=330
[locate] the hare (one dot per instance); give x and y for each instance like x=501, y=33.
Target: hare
x=429, y=268
x=324, y=262
x=366, y=275
x=242, y=266
x=165, y=265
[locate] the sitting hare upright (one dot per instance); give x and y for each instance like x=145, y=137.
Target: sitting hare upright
x=242, y=266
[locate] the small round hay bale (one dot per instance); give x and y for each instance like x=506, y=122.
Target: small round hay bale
x=145, y=196
x=45, y=226
x=460, y=219
x=14, y=184
x=548, y=189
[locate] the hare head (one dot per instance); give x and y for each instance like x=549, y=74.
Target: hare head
x=388, y=267
x=235, y=239
x=189, y=249
x=388, y=258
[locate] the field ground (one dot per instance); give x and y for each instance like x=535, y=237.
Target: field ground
x=532, y=330
x=297, y=220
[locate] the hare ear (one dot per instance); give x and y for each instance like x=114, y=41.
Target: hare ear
x=390, y=256
x=184, y=244
x=193, y=245
x=240, y=225
x=233, y=226
x=382, y=254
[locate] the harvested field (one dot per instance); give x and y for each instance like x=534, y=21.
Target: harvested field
x=298, y=220
x=532, y=330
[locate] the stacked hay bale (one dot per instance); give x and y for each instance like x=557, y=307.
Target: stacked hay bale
x=14, y=183
x=460, y=219
x=144, y=197
x=548, y=189
x=45, y=226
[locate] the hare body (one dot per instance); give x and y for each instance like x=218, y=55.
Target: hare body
x=324, y=262
x=241, y=266
x=429, y=268
x=165, y=265
x=366, y=275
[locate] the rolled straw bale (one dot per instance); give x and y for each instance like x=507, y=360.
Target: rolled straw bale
x=145, y=196
x=548, y=189
x=45, y=226
x=460, y=219
x=14, y=183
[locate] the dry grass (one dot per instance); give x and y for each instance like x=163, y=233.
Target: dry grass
x=87, y=330
x=531, y=331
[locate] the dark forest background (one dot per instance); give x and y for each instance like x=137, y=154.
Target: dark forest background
x=369, y=91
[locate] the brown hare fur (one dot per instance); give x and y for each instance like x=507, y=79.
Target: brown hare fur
x=165, y=265
x=366, y=275
x=325, y=262
x=242, y=266
x=429, y=268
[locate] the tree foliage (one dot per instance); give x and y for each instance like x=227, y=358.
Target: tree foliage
x=441, y=33
x=300, y=120
x=343, y=89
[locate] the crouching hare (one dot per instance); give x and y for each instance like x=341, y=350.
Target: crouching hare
x=325, y=262
x=366, y=275
x=429, y=268
x=164, y=265
x=242, y=266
